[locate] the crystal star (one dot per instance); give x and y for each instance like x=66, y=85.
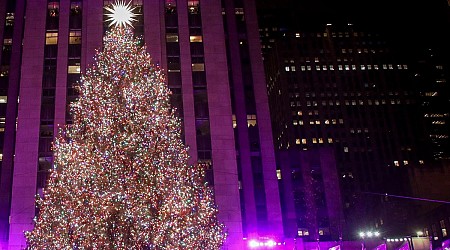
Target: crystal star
x=121, y=14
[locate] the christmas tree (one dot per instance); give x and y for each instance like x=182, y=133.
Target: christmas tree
x=121, y=178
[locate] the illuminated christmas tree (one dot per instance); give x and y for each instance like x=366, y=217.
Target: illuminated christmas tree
x=121, y=178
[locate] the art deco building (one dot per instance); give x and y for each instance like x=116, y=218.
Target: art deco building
x=210, y=50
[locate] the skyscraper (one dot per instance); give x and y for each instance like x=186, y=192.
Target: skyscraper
x=344, y=87
x=212, y=58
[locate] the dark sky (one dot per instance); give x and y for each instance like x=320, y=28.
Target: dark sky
x=420, y=20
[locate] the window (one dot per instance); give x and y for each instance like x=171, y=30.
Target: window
x=251, y=120
x=9, y=19
x=195, y=39
x=303, y=141
x=193, y=6
x=74, y=69
x=171, y=38
x=3, y=99
x=286, y=68
x=396, y=163
x=198, y=67
x=53, y=9
x=292, y=68
x=346, y=149
x=75, y=37
x=330, y=140
x=51, y=38
x=234, y=121
x=297, y=141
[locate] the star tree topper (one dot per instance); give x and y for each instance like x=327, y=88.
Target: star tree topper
x=120, y=14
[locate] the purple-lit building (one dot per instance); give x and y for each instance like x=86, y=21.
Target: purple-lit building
x=212, y=57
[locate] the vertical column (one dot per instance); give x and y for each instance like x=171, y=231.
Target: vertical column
x=186, y=79
x=153, y=30
x=222, y=136
x=61, y=70
x=251, y=222
x=25, y=161
x=11, y=115
x=274, y=216
x=92, y=31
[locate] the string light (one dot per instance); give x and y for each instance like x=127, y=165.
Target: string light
x=121, y=178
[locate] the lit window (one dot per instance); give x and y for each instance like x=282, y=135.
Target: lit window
x=300, y=122
x=74, y=69
x=303, y=141
x=308, y=67
x=341, y=121
x=331, y=67
x=297, y=34
x=295, y=122
x=292, y=68
x=239, y=11
x=172, y=38
x=3, y=99
x=363, y=67
x=317, y=67
x=198, y=67
x=303, y=68
x=297, y=141
x=234, y=121
x=300, y=232
x=369, y=66
x=439, y=67
x=405, y=162
x=317, y=122
x=320, y=232
x=251, y=120
x=9, y=19
x=195, y=39
x=396, y=163
x=421, y=162
x=347, y=67
x=324, y=67
x=51, y=38
x=287, y=68
x=278, y=174
x=346, y=149
x=390, y=66
x=340, y=67
x=75, y=37
x=314, y=140
x=330, y=140
x=193, y=6
x=320, y=140
x=7, y=41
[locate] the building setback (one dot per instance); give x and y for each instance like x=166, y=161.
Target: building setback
x=212, y=58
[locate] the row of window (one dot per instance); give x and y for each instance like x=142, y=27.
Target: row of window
x=350, y=103
x=173, y=38
x=313, y=140
x=51, y=38
x=318, y=122
x=293, y=68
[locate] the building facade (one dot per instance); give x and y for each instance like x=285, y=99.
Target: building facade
x=341, y=87
x=211, y=53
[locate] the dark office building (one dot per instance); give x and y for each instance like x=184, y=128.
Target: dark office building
x=211, y=54
x=343, y=87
